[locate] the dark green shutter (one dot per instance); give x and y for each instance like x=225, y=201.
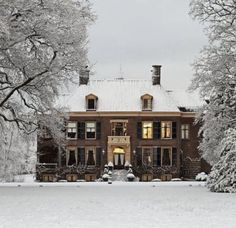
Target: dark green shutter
x=139, y=156
x=158, y=156
x=157, y=130
x=174, y=130
x=81, y=155
x=98, y=130
x=139, y=130
x=98, y=156
x=81, y=130
x=174, y=156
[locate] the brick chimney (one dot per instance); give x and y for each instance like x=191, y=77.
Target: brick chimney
x=156, y=74
x=84, y=76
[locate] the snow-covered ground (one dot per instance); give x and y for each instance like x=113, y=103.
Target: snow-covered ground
x=120, y=204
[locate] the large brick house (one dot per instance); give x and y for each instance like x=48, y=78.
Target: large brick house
x=123, y=121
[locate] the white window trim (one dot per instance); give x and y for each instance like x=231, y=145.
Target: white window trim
x=76, y=131
x=170, y=129
x=68, y=156
x=143, y=129
x=94, y=155
x=151, y=148
x=95, y=130
x=188, y=130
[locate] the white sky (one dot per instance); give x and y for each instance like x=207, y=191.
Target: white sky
x=139, y=33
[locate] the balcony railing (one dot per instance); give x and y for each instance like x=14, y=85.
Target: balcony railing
x=118, y=140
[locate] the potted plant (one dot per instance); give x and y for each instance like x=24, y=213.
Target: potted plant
x=105, y=177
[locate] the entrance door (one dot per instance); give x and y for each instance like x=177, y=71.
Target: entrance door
x=119, y=158
x=119, y=161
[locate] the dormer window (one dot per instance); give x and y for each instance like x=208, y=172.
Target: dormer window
x=91, y=102
x=147, y=102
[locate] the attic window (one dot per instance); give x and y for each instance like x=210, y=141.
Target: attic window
x=147, y=102
x=91, y=102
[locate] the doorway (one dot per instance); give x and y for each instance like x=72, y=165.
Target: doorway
x=119, y=158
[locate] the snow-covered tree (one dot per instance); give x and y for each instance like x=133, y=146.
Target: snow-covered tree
x=18, y=153
x=43, y=45
x=223, y=175
x=215, y=77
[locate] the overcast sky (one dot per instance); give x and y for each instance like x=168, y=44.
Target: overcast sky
x=137, y=34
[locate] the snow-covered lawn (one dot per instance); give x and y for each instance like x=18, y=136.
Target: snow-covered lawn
x=172, y=204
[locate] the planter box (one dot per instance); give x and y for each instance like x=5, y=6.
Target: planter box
x=71, y=177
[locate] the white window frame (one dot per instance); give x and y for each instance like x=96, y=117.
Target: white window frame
x=185, y=131
x=95, y=128
x=74, y=130
x=143, y=122
x=151, y=155
x=166, y=122
x=68, y=156
x=87, y=149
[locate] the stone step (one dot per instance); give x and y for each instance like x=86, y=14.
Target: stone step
x=119, y=175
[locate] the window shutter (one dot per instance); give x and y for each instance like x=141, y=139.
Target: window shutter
x=139, y=156
x=81, y=155
x=63, y=157
x=158, y=156
x=98, y=130
x=157, y=130
x=81, y=130
x=154, y=156
x=98, y=156
x=139, y=130
x=174, y=130
x=174, y=156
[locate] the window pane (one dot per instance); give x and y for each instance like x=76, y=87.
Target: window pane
x=166, y=157
x=91, y=130
x=165, y=129
x=147, y=104
x=70, y=124
x=147, y=130
x=90, y=157
x=71, y=157
x=72, y=130
x=147, y=156
x=185, y=131
x=91, y=103
x=90, y=125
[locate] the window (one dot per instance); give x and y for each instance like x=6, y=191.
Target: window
x=72, y=130
x=91, y=102
x=147, y=156
x=166, y=130
x=166, y=156
x=147, y=130
x=90, y=130
x=185, y=131
x=146, y=102
x=90, y=157
x=119, y=128
x=71, y=157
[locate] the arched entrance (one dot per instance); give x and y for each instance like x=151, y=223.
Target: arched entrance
x=119, y=158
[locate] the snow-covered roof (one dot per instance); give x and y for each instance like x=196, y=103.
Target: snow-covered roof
x=186, y=99
x=124, y=95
